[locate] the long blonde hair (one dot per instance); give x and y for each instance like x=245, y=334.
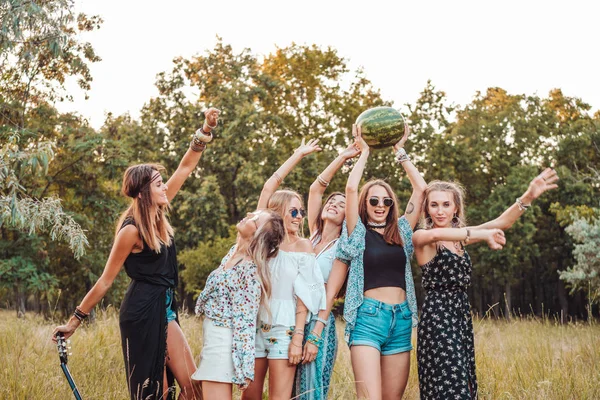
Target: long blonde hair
x=264, y=245
x=280, y=201
x=154, y=229
x=458, y=195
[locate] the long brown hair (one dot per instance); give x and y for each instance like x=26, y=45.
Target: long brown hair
x=280, y=201
x=263, y=246
x=390, y=234
x=319, y=222
x=154, y=229
x=458, y=195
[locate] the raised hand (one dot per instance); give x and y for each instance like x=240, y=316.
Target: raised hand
x=212, y=118
x=350, y=152
x=495, y=239
x=308, y=148
x=404, y=138
x=359, y=142
x=542, y=183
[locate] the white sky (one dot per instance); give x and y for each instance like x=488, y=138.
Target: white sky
x=462, y=46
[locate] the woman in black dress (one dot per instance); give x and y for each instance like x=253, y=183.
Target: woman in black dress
x=154, y=347
x=445, y=348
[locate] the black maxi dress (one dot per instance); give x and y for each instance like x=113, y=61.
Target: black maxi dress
x=143, y=320
x=445, y=346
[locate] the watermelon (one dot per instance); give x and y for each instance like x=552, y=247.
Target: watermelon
x=381, y=126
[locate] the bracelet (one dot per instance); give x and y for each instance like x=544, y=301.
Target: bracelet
x=79, y=314
x=277, y=177
x=298, y=332
x=315, y=339
x=522, y=207
x=202, y=136
x=322, y=181
x=198, y=147
x=321, y=320
x=297, y=345
x=401, y=155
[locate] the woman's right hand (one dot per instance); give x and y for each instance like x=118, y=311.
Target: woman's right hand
x=67, y=330
x=308, y=148
x=359, y=142
x=495, y=238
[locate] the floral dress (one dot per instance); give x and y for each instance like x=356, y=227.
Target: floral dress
x=231, y=299
x=445, y=351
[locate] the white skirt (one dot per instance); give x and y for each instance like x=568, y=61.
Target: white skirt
x=216, y=361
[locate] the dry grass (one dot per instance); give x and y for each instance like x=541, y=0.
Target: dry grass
x=522, y=359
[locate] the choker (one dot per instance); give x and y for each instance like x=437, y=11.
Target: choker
x=376, y=226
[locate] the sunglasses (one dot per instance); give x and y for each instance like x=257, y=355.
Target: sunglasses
x=294, y=213
x=387, y=201
x=255, y=218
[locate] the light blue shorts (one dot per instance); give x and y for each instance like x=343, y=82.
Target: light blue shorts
x=273, y=341
x=386, y=327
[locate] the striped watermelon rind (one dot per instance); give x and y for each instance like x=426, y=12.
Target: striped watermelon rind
x=381, y=126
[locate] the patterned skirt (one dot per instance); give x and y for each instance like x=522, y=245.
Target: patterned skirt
x=312, y=380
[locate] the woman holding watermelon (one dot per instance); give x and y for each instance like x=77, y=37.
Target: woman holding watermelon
x=380, y=306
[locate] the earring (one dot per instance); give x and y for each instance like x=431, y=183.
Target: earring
x=455, y=221
x=428, y=223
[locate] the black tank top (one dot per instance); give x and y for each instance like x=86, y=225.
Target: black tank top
x=384, y=264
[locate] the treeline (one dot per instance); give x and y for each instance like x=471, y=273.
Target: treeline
x=494, y=146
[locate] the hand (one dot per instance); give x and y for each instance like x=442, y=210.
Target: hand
x=212, y=118
x=404, y=138
x=244, y=386
x=540, y=184
x=359, y=142
x=350, y=152
x=67, y=330
x=495, y=239
x=295, y=351
x=310, y=353
x=308, y=148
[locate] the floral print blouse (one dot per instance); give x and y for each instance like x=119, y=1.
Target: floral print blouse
x=350, y=250
x=231, y=299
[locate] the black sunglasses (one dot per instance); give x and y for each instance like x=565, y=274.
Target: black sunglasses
x=294, y=212
x=387, y=201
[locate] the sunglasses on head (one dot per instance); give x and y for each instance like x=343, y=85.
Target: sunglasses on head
x=294, y=212
x=254, y=218
x=387, y=201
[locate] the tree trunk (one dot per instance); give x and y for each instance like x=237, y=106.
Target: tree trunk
x=564, y=302
x=20, y=302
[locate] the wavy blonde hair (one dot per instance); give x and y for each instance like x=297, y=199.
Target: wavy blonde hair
x=154, y=228
x=458, y=195
x=264, y=245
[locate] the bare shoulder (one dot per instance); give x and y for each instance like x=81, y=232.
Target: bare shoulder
x=303, y=245
x=128, y=235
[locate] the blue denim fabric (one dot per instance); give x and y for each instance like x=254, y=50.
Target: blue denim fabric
x=171, y=315
x=386, y=327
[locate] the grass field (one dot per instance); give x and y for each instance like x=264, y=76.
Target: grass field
x=521, y=359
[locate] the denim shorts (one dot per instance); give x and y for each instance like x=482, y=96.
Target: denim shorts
x=386, y=327
x=273, y=341
x=171, y=315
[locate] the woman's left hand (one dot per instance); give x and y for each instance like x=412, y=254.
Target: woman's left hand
x=401, y=142
x=212, y=117
x=244, y=386
x=295, y=351
x=310, y=353
x=542, y=183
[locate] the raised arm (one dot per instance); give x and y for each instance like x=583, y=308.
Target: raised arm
x=275, y=180
x=354, y=180
x=414, y=205
x=124, y=244
x=317, y=189
x=540, y=184
x=192, y=156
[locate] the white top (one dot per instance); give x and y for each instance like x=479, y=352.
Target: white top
x=294, y=275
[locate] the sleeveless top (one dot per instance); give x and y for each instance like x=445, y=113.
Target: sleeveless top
x=384, y=263
x=326, y=256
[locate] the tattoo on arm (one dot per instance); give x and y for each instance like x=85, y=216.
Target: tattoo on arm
x=410, y=208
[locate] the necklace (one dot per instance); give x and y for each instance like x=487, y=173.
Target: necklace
x=376, y=226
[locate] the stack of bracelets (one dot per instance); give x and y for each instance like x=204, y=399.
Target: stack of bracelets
x=79, y=314
x=315, y=339
x=201, y=137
